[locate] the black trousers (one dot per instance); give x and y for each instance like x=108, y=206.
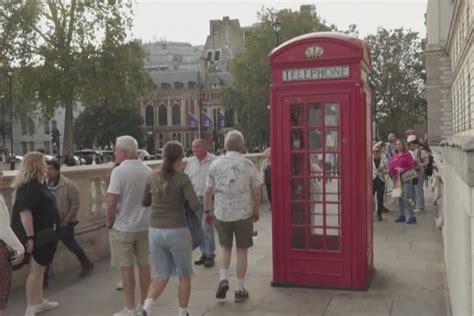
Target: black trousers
x=379, y=189
x=268, y=186
x=66, y=236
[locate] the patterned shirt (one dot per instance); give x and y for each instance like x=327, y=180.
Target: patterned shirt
x=233, y=178
x=198, y=171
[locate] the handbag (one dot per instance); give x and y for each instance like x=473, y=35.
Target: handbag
x=195, y=227
x=409, y=175
x=46, y=236
x=397, y=188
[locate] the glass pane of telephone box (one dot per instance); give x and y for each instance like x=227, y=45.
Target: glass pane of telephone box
x=298, y=238
x=333, y=193
x=316, y=189
x=316, y=165
x=315, y=114
x=332, y=139
x=299, y=191
x=333, y=239
x=297, y=140
x=316, y=238
x=331, y=114
x=297, y=115
x=331, y=163
x=298, y=214
x=298, y=164
x=315, y=139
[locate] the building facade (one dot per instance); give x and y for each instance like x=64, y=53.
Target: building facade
x=449, y=87
x=186, y=102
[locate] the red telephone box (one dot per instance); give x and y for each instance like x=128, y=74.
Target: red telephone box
x=321, y=132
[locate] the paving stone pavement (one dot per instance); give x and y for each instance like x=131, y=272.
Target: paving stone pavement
x=409, y=280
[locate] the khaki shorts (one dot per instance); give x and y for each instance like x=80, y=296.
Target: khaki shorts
x=128, y=248
x=243, y=231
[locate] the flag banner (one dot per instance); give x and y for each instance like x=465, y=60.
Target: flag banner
x=221, y=118
x=206, y=120
x=192, y=121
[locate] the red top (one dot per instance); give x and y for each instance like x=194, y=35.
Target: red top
x=401, y=160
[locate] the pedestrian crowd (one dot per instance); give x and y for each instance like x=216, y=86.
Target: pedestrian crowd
x=401, y=168
x=156, y=218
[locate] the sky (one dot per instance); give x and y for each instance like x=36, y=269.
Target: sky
x=188, y=21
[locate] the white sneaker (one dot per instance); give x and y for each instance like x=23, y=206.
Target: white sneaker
x=417, y=211
x=43, y=307
x=119, y=286
x=127, y=312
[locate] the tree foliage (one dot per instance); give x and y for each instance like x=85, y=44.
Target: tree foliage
x=99, y=126
x=77, y=51
x=248, y=94
x=397, y=81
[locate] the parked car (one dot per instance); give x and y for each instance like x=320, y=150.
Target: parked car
x=144, y=155
x=89, y=155
x=107, y=155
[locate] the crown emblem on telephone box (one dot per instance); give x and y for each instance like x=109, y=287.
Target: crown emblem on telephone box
x=314, y=51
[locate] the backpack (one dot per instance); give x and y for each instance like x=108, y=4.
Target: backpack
x=429, y=166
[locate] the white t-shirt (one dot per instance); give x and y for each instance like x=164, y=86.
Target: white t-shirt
x=128, y=181
x=233, y=178
x=6, y=233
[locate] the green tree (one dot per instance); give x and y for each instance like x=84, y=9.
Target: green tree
x=79, y=53
x=100, y=126
x=397, y=81
x=248, y=94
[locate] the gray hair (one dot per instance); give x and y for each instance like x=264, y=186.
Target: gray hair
x=128, y=144
x=234, y=141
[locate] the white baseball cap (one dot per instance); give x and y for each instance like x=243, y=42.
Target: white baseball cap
x=411, y=138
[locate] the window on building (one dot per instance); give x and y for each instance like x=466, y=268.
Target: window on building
x=149, y=116
x=24, y=126
x=165, y=86
x=46, y=128
x=217, y=55
x=31, y=126
x=163, y=115
x=192, y=85
x=178, y=85
x=47, y=147
x=24, y=148
x=32, y=146
x=176, y=115
x=209, y=55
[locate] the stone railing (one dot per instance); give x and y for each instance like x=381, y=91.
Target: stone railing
x=91, y=232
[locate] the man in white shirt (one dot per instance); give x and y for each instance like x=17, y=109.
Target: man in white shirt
x=236, y=184
x=128, y=221
x=197, y=168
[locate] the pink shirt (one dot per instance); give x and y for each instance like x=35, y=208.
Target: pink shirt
x=401, y=160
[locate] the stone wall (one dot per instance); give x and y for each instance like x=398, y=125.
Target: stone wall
x=438, y=94
x=455, y=160
x=91, y=232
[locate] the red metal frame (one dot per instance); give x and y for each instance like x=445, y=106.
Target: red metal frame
x=314, y=245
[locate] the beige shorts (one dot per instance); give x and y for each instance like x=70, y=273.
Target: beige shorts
x=128, y=248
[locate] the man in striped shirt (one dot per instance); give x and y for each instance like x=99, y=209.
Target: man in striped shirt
x=197, y=168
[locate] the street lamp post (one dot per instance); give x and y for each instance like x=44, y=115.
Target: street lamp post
x=10, y=98
x=276, y=25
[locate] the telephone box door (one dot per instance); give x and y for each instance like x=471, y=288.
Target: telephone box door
x=317, y=224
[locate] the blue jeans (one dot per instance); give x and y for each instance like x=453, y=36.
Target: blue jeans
x=419, y=193
x=208, y=245
x=404, y=202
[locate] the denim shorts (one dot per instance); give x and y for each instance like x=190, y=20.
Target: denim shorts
x=171, y=251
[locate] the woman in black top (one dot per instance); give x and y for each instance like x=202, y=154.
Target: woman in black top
x=35, y=219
